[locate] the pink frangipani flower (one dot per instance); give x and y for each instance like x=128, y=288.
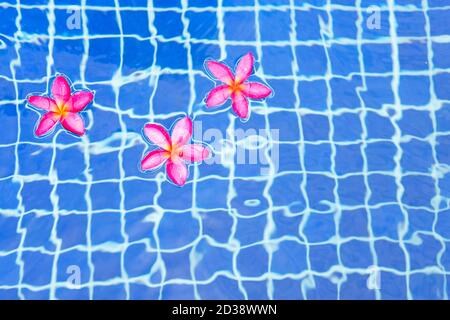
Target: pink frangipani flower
x=235, y=86
x=175, y=149
x=63, y=106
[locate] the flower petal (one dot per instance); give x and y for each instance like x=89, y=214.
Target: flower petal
x=218, y=96
x=154, y=159
x=47, y=123
x=60, y=90
x=195, y=152
x=240, y=104
x=177, y=171
x=182, y=131
x=43, y=103
x=244, y=68
x=256, y=90
x=158, y=135
x=74, y=123
x=220, y=71
x=79, y=100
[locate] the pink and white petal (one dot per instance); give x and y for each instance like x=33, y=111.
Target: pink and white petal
x=240, y=104
x=177, y=171
x=60, y=90
x=154, y=159
x=79, y=100
x=220, y=71
x=195, y=152
x=43, y=103
x=244, y=68
x=218, y=96
x=255, y=90
x=182, y=131
x=158, y=135
x=74, y=123
x=47, y=123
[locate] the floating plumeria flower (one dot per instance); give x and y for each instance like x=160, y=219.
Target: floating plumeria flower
x=174, y=150
x=235, y=86
x=62, y=107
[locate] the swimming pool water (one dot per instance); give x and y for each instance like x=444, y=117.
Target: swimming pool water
x=355, y=204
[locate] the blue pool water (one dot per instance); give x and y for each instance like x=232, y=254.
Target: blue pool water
x=354, y=203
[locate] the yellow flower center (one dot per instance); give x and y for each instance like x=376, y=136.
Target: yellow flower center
x=62, y=110
x=176, y=152
x=236, y=86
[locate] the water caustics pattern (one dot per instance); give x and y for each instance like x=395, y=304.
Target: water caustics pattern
x=356, y=206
